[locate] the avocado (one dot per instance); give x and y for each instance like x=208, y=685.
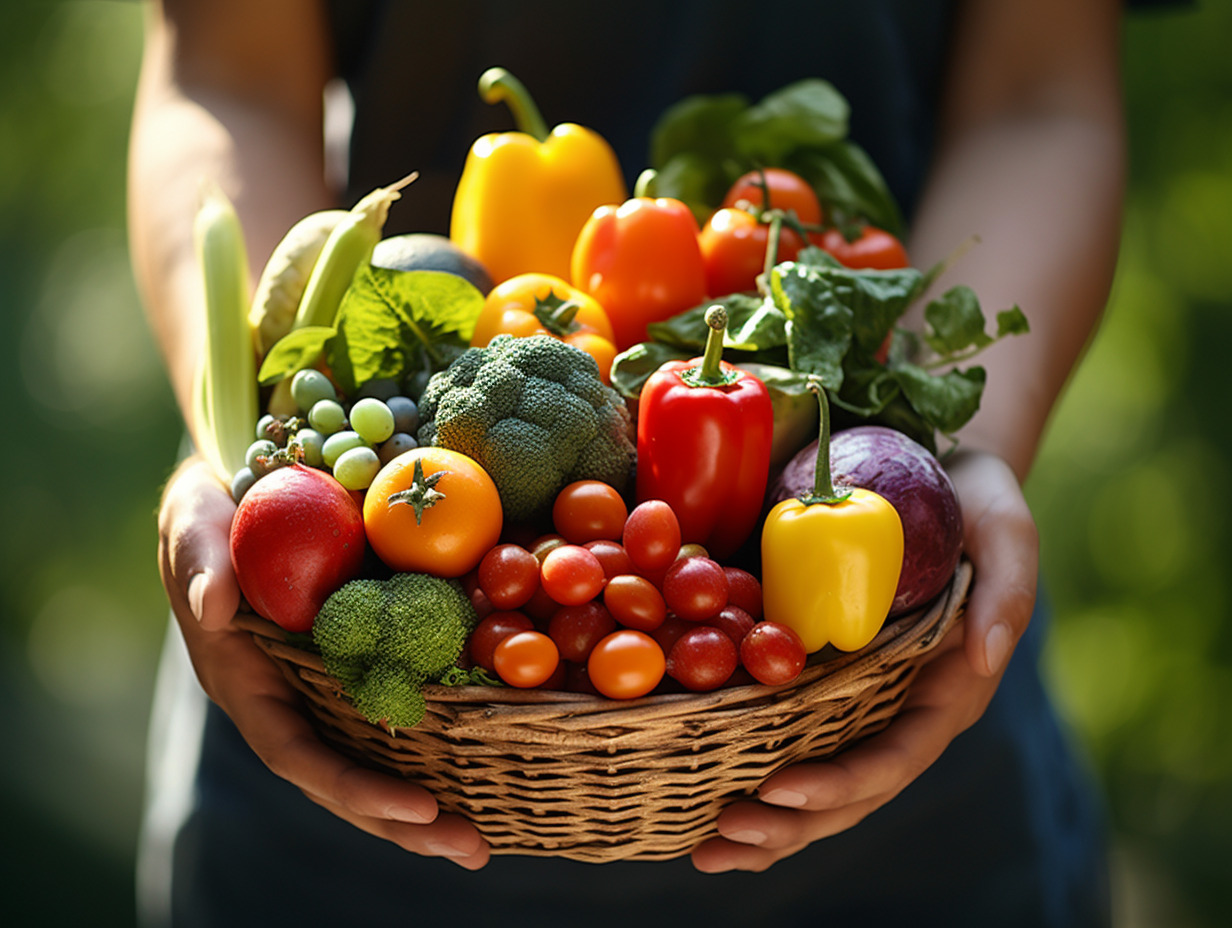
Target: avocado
x=423, y=251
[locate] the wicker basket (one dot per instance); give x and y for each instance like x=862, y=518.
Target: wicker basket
x=591, y=779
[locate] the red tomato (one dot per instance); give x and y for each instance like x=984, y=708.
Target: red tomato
x=788, y=191
x=571, y=575
x=577, y=629
x=670, y=631
x=508, y=576
x=702, y=659
x=634, y=602
x=626, y=664
x=733, y=244
x=526, y=659
x=296, y=537
x=744, y=590
x=652, y=536
x=772, y=653
x=695, y=588
x=613, y=557
x=734, y=622
x=491, y=631
x=875, y=249
x=589, y=510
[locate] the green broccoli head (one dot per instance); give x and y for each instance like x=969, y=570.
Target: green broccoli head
x=536, y=416
x=383, y=640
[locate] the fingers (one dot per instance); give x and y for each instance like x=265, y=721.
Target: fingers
x=194, y=550
x=450, y=836
x=1000, y=537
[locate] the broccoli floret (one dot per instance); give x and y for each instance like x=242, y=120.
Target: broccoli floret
x=383, y=640
x=536, y=416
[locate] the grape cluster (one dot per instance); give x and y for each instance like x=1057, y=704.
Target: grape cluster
x=350, y=440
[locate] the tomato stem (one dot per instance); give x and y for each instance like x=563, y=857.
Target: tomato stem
x=772, y=243
x=422, y=493
x=496, y=85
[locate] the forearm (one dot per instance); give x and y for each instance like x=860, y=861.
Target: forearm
x=187, y=129
x=1037, y=174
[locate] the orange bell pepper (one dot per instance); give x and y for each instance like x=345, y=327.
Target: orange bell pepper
x=642, y=262
x=523, y=196
x=541, y=304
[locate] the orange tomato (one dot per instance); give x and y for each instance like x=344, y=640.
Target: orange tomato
x=432, y=510
x=541, y=304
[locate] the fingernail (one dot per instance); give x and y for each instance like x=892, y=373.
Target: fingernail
x=784, y=797
x=446, y=850
x=748, y=836
x=996, y=647
x=406, y=814
x=196, y=595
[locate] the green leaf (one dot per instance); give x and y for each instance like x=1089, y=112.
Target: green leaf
x=955, y=322
x=754, y=323
x=695, y=180
x=848, y=183
x=298, y=349
x=947, y=401
x=867, y=390
x=633, y=367
x=819, y=328
x=809, y=113
x=1012, y=321
x=393, y=323
x=699, y=124
x=877, y=300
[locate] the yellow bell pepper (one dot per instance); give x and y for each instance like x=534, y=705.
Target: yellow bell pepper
x=524, y=196
x=831, y=561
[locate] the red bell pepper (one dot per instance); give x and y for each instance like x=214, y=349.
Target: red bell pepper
x=704, y=430
x=641, y=261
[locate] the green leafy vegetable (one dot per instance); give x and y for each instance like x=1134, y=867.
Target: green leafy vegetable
x=391, y=324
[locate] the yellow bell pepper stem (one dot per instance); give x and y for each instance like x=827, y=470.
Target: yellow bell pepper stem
x=524, y=196
x=496, y=85
x=831, y=560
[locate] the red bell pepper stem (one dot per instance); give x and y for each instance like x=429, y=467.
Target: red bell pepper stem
x=823, y=485
x=496, y=85
x=710, y=372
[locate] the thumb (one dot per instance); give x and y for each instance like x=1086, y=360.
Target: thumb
x=194, y=538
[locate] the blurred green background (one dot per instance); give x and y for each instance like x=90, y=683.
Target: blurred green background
x=1130, y=490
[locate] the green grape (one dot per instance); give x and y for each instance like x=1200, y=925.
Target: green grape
x=308, y=387
x=262, y=448
x=338, y=443
x=406, y=414
x=398, y=443
x=241, y=483
x=310, y=443
x=327, y=416
x=356, y=468
x=372, y=419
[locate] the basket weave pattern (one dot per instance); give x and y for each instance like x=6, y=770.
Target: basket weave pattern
x=569, y=775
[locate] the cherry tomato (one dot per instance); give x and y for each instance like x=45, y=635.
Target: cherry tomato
x=491, y=631
x=545, y=543
x=695, y=588
x=734, y=622
x=445, y=539
x=559, y=680
x=702, y=659
x=733, y=244
x=577, y=679
x=509, y=576
x=577, y=629
x=626, y=664
x=875, y=249
x=692, y=549
x=479, y=599
x=634, y=602
x=670, y=631
x=613, y=557
x=541, y=606
x=588, y=510
x=744, y=590
x=571, y=575
x=652, y=535
x=772, y=653
x=788, y=191
x=526, y=659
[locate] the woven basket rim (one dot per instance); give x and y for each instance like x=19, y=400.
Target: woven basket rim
x=920, y=631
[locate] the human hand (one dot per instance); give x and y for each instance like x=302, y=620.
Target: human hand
x=810, y=801
x=194, y=560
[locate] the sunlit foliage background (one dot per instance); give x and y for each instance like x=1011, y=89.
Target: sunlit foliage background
x=1131, y=490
